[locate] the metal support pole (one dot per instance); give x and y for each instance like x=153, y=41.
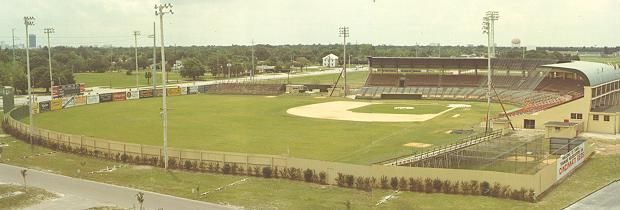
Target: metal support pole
x=28, y=21
x=164, y=112
x=48, y=31
x=135, y=42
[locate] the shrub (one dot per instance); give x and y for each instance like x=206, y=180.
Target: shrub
x=226, y=168
x=124, y=157
x=249, y=171
x=349, y=179
x=475, y=187
x=505, y=191
x=394, y=183
x=276, y=173
x=359, y=183
x=456, y=188
x=446, y=186
x=384, y=182
x=531, y=196
x=242, y=171
x=340, y=180
x=496, y=190
x=187, y=165
x=172, y=163
x=322, y=177
x=267, y=171
x=402, y=183
x=437, y=185
x=367, y=184
x=485, y=188
x=428, y=185
x=308, y=175
x=233, y=169
x=257, y=171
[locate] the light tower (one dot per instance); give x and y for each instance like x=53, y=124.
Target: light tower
x=29, y=21
x=489, y=29
x=135, y=41
x=49, y=31
x=344, y=33
x=161, y=10
x=154, y=68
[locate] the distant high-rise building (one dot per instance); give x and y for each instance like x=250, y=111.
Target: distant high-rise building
x=33, y=40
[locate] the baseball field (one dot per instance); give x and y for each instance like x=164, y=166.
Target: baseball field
x=261, y=124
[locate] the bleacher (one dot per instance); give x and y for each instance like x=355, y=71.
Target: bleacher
x=248, y=89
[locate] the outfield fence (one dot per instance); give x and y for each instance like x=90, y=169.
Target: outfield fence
x=148, y=154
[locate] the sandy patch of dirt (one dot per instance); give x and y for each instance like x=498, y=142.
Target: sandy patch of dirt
x=339, y=110
x=417, y=145
x=456, y=115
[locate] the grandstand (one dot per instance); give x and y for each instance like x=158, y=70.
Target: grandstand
x=545, y=90
x=248, y=88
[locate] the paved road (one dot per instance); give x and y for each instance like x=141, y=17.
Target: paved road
x=606, y=198
x=95, y=192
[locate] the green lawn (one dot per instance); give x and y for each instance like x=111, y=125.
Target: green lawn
x=419, y=107
x=613, y=60
x=258, y=124
x=120, y=79
x=260, y=193
x=30, y=196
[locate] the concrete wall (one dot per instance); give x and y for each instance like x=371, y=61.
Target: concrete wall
x=602, y=126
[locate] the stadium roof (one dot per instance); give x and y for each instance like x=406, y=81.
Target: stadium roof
x=456, y=63
x=593, y=73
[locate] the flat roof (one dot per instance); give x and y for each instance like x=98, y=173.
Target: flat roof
x=560, y=124
x=457, y=63
x=594, y=74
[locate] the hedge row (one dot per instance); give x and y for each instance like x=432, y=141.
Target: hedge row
x=428, y=185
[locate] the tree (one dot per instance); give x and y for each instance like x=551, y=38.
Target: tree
x=24, y=173
x=140, y=197
x=192, y=68
x=147, y=76
x=301, y=62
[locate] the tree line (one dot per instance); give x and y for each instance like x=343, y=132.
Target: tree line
x=199, y=60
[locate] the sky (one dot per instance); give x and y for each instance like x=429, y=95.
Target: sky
x=277, y=22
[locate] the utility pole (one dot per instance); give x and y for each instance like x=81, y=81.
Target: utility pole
x=344, y=33
x=135, y=42
x=29, y=21
x=13, y=35
x=48, y=31
x=252, y=72
x=159, y=11
x=488, y=28
x=154, y=68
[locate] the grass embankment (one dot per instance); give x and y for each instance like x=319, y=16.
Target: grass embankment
x=263, y=193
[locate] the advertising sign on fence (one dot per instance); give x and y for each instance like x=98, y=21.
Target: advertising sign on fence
x=92, y=99
x=79, y=100
x=192, y=90
x=146, y=93
x=105, y=97
x=119, y=96
x=569, y=161
x=174, y=91
x=56, y=104
x=35, y=107
x=184, y=90
x=67, y=102
x=44, y=106
x=133, y=94
x=159, y=92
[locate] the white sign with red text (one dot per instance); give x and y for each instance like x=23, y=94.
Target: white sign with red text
x=569, y=161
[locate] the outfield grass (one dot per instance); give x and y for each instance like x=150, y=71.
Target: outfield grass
x=258, y=124
x=120, y=79
x=260, y=193
x=613, y=60
x=419, y=107
x=30, y=196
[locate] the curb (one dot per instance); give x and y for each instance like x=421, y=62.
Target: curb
x=583, y=197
